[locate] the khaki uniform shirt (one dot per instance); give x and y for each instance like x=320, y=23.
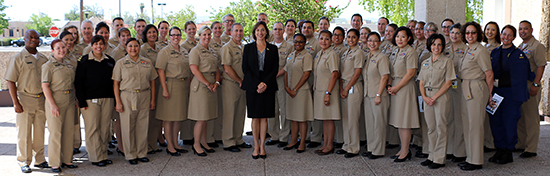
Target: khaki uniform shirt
x=296, y=65
x=78, y=49
x=25, y=70
x=401, y=60
x=162, y=44
x=387, y=47
x=474, y=63
x=134, y=75
x=376, y=66
x=119, y=52
x=350, y=60
x=60, y=75
x=420, y=46
x=425, y=54
x=457, y=54
x=536, y=52
x=312, y=46
x=188, y=44
x=206, y=59
x=232, y=55
x=148, y=52
x=216, y=46
x=108, y=48
x=284, y=51
x=436, y=73
x=225, y=38
x=174, y=63
x=491, y=46
x=114, y=41
x=340, y=49
x=323, y=65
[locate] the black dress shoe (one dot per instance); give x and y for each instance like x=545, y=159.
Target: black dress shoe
x=219, y=141
x=249, y=133
x=321, y=153
x=295, y=146
x=188, y=142
x=272, y=142
x=282, y=144
x=162, y=144
x=366, y=154
x=338, y=145
x=362, y=143
x=313, y=144
x=232, y=149
x=341, y=152
x=244, y=145
x=198, y=154
x=449, y=156
x=182, y=150
x=108, y=161
x=496, y=156
x=76, y=151
x=151, y=152
x=436, y=166
x=133, y=162
x=263, y=156
x=505, y=157
x=421, y=155
x=375, y=156
x=300, y=151
x=111, y=145
x=255, y=156
x=394, y=157
x=426, y=162
x=144, y=159
x=399, y=160
x=518, y=150
x=350, y=155
x=458, y=159
x=391, y=146
x=56, y=170
x=208, y=150
x=27, y=169
x=212, y=144
x=487, y=149
x=119, y=152
x=109, y=152
x=527, y=155
x=462, y=164
x=99, y=164
x=173, y=154
x=469, y=167
x=72, y=166
x=42, y=165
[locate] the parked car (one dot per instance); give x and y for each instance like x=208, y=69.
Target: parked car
x=18, y=42
x=48, y=40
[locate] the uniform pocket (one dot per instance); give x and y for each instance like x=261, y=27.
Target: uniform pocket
x=195, y=85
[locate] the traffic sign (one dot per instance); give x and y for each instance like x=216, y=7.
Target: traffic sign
x=54, y=31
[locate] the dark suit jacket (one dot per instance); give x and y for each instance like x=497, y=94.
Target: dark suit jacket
x=251, y=68
x=520, y=72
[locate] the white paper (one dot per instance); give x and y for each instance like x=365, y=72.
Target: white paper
x=351, y=90
x=497, y=99
x=420, y=104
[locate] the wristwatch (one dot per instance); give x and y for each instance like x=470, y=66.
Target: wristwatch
x=536, y=85
x=377, y=95
x=327, y=93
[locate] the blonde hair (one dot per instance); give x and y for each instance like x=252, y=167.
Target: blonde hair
x=203, y=29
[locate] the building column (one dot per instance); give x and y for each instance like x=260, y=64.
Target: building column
x=437, y=10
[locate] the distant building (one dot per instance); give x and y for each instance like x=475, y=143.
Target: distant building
x=16, y=29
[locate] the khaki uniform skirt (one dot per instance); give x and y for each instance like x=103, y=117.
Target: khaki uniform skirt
x=322, y=112
x=404, y=106
x=299, y=108
x=174, y=108
x=205, y=103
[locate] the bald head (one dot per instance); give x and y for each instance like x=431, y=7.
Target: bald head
x=32, y=39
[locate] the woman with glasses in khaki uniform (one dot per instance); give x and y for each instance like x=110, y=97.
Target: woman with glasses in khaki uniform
x=173, y=100
x=57, y=84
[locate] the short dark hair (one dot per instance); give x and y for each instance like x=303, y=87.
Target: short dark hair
x=174, y=28
x=431, y=41
x=138, y=20
x=324, y=18
x=339, y=29
x=123, y=29
x=514, y=30
x=394, y=26
x=130, y=40
x=63, y=34
x=55, y=42
x=407, y=31
x=497, y=37
x=447, y=19
x=144, y=33
x=188, y=23
x=357, y=33
x=97, y=38
x=310, y=22
x=163, y=22
x=118, y=18
x=299, y=35
x=300, y=24
x=375, y=34
x=478, y=31
x=291, y=20
x=214, y=23
x=101, y=25
x=326, y=32
x=359, y=15
x=456, y=26
x=235, y=24
x=525, y=21
x=388, y=21
x=422, y=23
x=256, y=27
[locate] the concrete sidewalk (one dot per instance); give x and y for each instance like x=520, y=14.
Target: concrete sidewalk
x=278, y=161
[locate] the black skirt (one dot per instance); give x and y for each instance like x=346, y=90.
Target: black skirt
x=260, y=105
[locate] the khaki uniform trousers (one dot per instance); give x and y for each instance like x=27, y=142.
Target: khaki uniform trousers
x=97, y=123
x=529, y=123
x=362, y=127
x=279, y=127
x=77, y=143
x=31, y=127
x=214, y=127
x=134, y=123
x=61, y=128
x=487, y=133
x=436, y=119
x=420, y=135
x=351, y=111
x=455, y=132
x=339, y=131
x=234, y=108
x=376, y=122
x=155, y=125
x=473, y=122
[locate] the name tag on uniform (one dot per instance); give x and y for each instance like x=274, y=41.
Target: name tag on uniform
x=402, y=54
x=425, y=64
x=94, y=100
x=288, y=58
x=29, y=62
x=454, y=84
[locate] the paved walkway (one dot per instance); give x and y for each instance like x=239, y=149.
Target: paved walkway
x=278, y=162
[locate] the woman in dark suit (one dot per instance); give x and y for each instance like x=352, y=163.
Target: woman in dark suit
x=260, y=66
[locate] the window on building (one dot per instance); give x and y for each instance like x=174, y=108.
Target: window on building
x=11, y=32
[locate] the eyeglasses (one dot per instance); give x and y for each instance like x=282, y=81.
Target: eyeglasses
x=300, y=42
x=228, y=21
x=470, y=32
x=175, y=35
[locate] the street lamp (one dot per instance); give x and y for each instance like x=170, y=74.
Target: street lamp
x=161, y=9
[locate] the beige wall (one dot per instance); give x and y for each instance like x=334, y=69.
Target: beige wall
x=512, y=12
x=18, y=28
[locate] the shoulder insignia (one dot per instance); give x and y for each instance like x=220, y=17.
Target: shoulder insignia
x=80, y=58
x=520, y=56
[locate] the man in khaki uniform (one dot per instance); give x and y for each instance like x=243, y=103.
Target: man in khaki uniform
x=279, y=135
x=312, y=47
x=118, y=23
x=139, y=26
x=24, y=81
x=233, y=97
x=227, y=22
x=528, y=124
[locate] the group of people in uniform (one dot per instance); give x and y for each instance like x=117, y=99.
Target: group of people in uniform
x=409, y=86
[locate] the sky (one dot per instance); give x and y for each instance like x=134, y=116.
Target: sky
x=21, y=10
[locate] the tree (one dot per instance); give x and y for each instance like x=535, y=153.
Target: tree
x=397, y=11
x=179, y=18
x=41, y=23
x=246, y=11
x=93, y=11
x=474, y=10
x=3, y=21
